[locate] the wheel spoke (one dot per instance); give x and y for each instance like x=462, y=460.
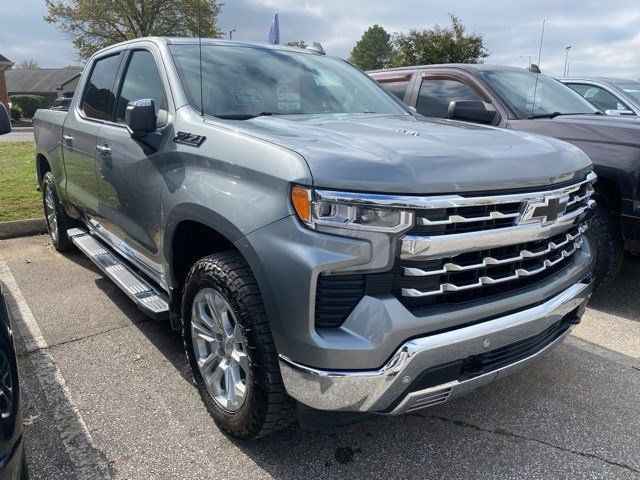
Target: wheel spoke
x=201, y=330
x=215, y=379
x=207, y=363
x=236, y=336
x=241, y=359
x=229, y=382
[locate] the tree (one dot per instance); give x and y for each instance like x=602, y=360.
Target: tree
x=29, y=63
x=95, y=24
x=373, y=50
x=297, y=43
x=438, y=45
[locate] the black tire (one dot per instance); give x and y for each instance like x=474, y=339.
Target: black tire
x=60, y=240
x=267, y=406
x=605, y=238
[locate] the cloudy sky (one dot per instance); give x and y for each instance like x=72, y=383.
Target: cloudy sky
x=605, y=35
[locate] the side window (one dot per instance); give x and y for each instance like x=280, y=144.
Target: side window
x=599, y=97
x=397, y=88
x=142, y=80
x=435, y=95
x=98, y=99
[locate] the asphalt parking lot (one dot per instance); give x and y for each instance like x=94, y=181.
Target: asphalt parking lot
x=106, y=394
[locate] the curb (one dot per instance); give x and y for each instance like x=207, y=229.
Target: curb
x=23, y=228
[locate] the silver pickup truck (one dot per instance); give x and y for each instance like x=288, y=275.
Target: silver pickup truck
x=325, y=253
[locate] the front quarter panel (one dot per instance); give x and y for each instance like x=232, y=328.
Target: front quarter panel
x=233, y=183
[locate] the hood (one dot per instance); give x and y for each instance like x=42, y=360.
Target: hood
x=403, y=154
x=586, y=128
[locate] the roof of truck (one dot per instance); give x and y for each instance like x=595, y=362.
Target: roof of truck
x=464, y=66
x=210, y=41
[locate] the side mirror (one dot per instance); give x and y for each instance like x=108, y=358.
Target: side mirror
x=5, y=121
x=619, y=112
x=142, y=122
x=470, y=111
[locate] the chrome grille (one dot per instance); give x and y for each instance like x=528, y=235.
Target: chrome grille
x=487, y=213
x=476, y=247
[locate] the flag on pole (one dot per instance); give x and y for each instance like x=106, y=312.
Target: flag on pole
x=274, y=33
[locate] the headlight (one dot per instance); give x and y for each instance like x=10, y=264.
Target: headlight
x=354, y=216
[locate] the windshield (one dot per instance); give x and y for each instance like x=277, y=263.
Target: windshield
x=245, y=81
x=632, y=89
x=537, y=94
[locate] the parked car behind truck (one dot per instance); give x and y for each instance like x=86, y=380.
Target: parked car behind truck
x=319, y=248
x=519, y=99
x=613, y=96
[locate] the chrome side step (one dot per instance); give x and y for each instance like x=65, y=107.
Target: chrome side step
x=151, y=301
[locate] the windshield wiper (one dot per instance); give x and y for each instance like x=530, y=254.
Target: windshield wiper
x=557, y=114
x=247, y=116
x=545, y=115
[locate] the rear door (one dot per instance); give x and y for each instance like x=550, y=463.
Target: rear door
x=129, y=175
x=80, y=131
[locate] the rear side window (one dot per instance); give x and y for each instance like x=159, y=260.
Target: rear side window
x=142, y=80
x=397, y=88
x=98, y=100
x=436, y=94
x=599, y=97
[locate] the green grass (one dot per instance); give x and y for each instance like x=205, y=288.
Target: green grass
x=19, y=198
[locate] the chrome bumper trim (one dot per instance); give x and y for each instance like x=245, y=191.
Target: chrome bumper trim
x=376, y=390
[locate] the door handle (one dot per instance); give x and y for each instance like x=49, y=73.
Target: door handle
x=67, y=138
x=104, y=150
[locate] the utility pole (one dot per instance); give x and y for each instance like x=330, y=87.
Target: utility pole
x=566, y=59
x=526, y=56
x=231, y=33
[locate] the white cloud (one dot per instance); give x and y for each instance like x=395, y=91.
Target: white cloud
x=604, y=35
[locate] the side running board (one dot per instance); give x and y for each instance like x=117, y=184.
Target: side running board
x=148, y=298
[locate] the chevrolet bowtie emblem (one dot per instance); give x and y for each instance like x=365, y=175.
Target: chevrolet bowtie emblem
x=546, y=210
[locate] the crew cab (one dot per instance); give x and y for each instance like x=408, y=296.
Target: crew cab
x=320, y=248
x=529, y=101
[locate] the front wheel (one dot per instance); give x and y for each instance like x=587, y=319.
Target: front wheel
x=230, y=348
x=605, y=238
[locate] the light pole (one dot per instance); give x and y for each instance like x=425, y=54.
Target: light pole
x=566, y=59
x=231, y=33
x=526, y=56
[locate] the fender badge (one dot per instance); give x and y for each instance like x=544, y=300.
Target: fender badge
x=187, y=138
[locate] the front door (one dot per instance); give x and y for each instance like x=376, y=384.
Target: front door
x=129, y=175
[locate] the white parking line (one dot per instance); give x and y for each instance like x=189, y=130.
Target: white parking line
x=75, y=436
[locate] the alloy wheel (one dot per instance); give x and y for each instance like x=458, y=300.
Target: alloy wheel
x=219, y=349
x=50, y=211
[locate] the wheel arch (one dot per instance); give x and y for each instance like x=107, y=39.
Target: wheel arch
x=42, y=167
x=192, y=232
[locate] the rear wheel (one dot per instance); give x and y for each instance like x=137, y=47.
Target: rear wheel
x=57, y=220
x=605, y=237
x=230, y=348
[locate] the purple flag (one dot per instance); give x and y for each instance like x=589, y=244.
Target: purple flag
x=274, y=33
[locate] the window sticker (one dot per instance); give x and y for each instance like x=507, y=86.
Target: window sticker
x=247, y=97
x=325, y=78
x=288, y=94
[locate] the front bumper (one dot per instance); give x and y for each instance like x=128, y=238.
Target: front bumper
x=400, y=385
